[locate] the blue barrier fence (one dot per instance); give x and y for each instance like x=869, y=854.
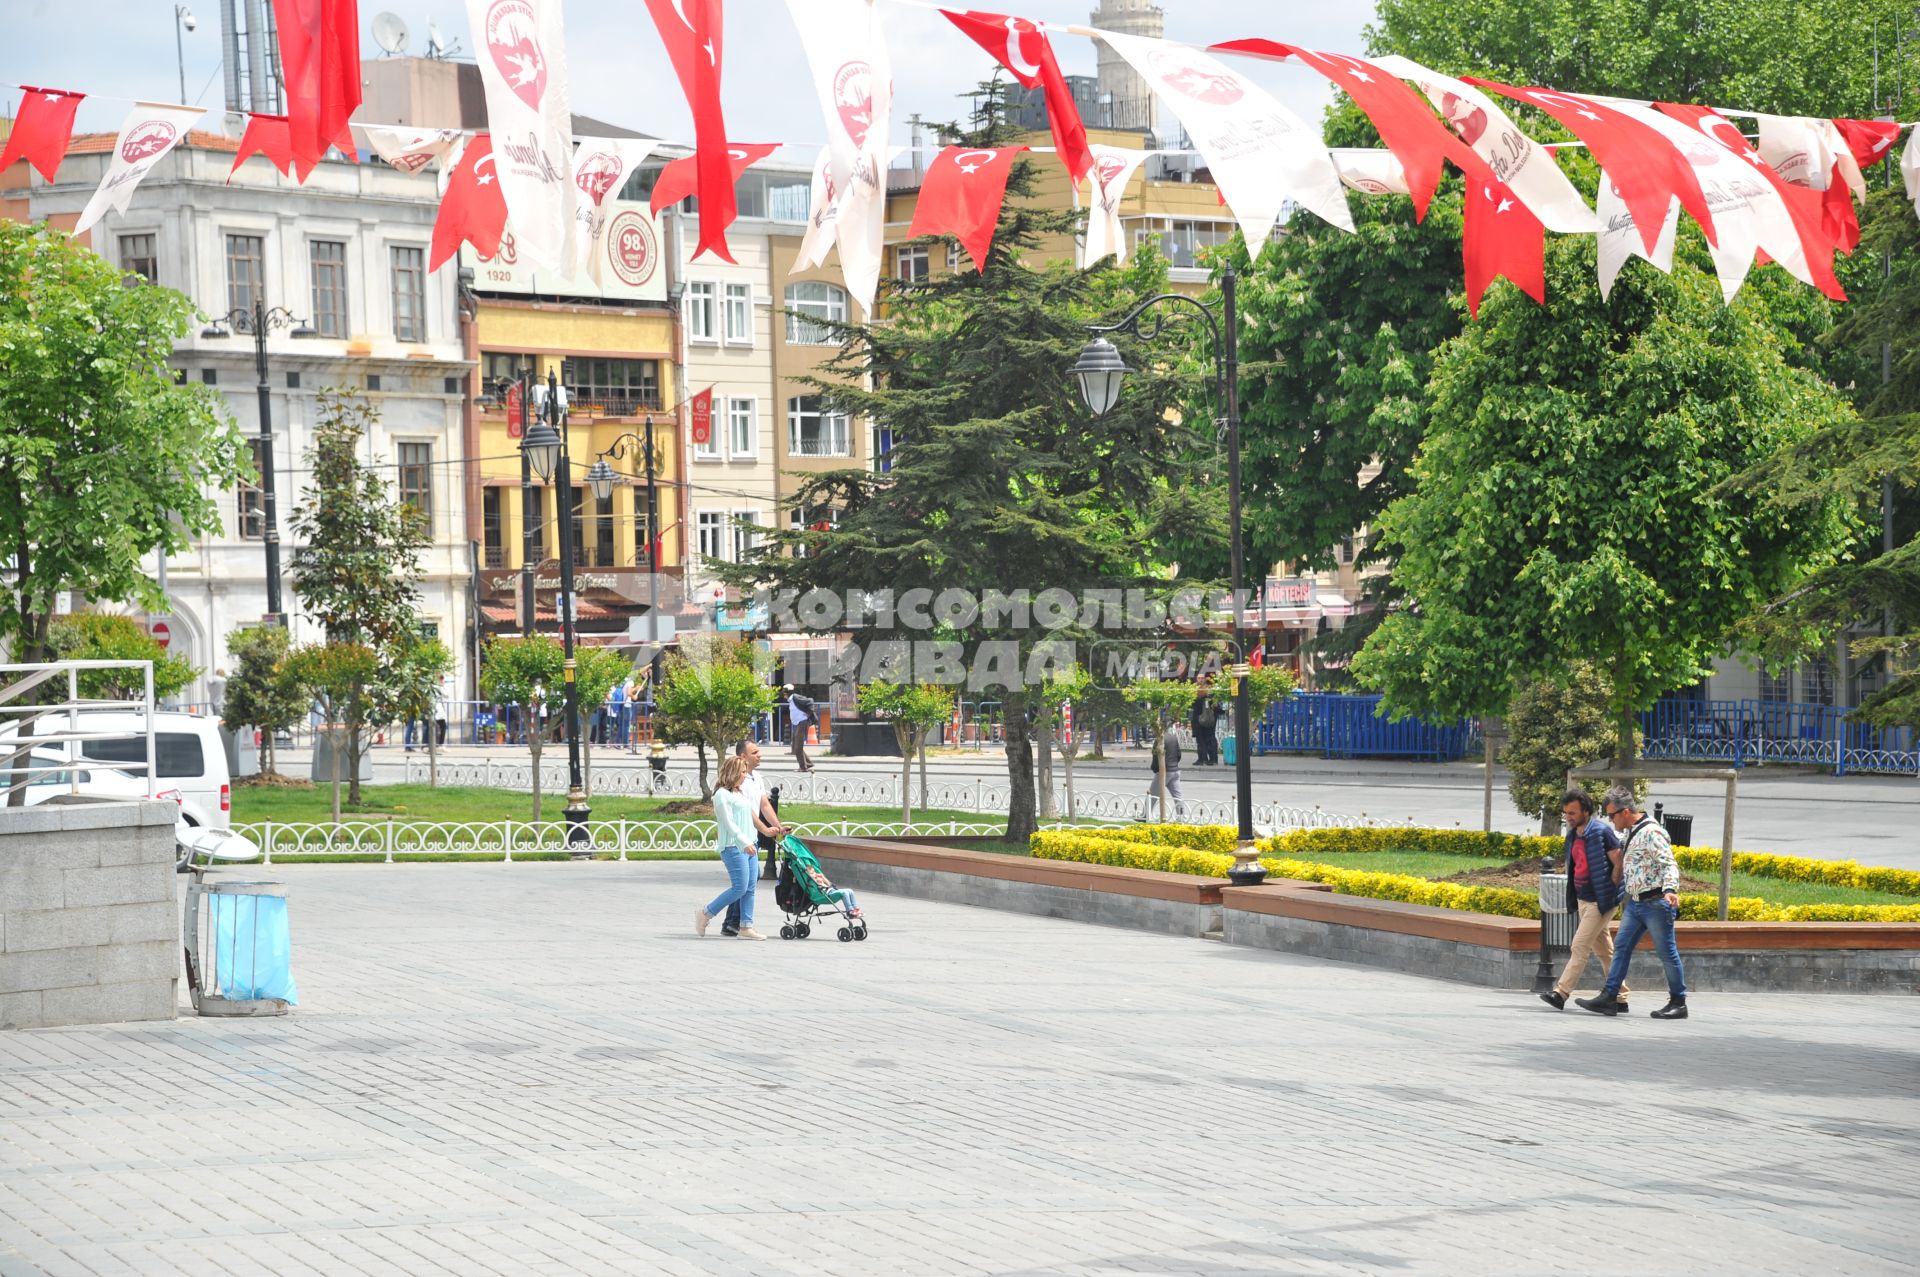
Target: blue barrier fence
x=1752, y=732
x=1337, y=725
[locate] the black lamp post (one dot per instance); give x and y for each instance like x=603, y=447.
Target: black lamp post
x=545, y=448
x=259, y=320
x=1100, y=371
x=601, y=478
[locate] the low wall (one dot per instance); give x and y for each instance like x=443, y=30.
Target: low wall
x=88, y=928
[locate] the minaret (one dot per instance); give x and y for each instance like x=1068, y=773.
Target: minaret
x=1133, y=104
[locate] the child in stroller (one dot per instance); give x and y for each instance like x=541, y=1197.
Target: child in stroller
x=804, y=893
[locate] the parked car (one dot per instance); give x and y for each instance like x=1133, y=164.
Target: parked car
x=189, y=758
x=50, y=776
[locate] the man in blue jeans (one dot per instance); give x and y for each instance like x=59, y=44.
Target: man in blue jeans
x=1651, y=883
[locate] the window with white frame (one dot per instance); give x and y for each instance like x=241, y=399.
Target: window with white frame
x=710, y=529
x=743, y=427
x=910, y=263
x=815, y=431
x=713, y=449
x=953, y=256
x=739, y=314
x=810, y=304
x=746, y=533
x=816, y=519
x=409, y=294
x=700, y=317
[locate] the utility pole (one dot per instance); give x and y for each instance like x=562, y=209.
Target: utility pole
x=529, y=527
x=656, y=748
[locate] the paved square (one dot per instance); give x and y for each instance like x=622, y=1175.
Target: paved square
x=539, y=1069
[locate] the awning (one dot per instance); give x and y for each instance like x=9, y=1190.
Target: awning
x=1333, y=603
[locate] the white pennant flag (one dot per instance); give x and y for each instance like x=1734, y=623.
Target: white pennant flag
x=1523, y=164
x=1803, y=150
x=411, y=150
x=818, y=241
x=1113, y=170
x=523, y=64
x=601, y=167
x=1620, y=238
x=1910, y=168
x=150, y=130
x=1261, y=154
x=1370, y=171
x=847, y=52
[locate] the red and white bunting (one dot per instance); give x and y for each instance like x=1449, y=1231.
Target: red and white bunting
x=474, y=209
x=1108, y=179
x=1811, y=152
x=1022, y=47
x=521, y=48
x=271, y=138
x=601, y=167
x=150, y=130
x=1501, y=236
x=818, y=241
x=1369, y=171
x=1621, y=236
x=853, y=77
x=320, y=60
x=411, y=150
x=682, y=178
x=961, y=196
x=42, y=129
x=694, y=32
x=1910, y=169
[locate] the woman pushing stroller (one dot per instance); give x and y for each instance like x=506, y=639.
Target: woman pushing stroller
x=733, y=814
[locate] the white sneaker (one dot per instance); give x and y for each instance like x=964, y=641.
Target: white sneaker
x=700, y=920
x=748, y=933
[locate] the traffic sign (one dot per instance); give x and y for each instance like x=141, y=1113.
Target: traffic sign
x=162, y=634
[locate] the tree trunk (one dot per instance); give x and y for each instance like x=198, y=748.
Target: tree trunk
x=923, y=769
x=356, y=745
x=1095, y=750
x=333, y=746
x=433, y=753
x=1066, y=765
x=1160, y=762
x=1043, y=753
x=700, y=751
x=586, y=763
x=533, y=748
x=1020, y=810
x=1549, y=823
x=270, y=765
x=903, y=736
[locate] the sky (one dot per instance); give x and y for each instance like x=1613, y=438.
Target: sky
x=619, y=71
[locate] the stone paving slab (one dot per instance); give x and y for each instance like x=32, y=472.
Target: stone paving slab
x=537, y=1068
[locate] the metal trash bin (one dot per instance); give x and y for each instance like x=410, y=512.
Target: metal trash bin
x=1557, y=920
x=239, y=948
x=1679, y=828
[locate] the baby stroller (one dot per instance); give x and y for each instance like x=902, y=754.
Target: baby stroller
x=803, y=893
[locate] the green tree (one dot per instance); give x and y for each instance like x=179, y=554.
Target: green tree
x=914, y=709
x=337, y=675
x=528, y=674
x=1567, y=504
x=357, y=571
x=1552, y=728
x=1166, y=703
x=414, y=671
x=104, y=457
x=1067, y=687
x=709, y=696
x=596, y=672
x=100, y=636
x=1267, y=685
x=265, y=691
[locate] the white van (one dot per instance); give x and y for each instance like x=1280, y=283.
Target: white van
x=189, y=758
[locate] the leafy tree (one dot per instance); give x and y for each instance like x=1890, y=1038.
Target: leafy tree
x=526, y=673
x=99, y=636
x=358, y=570
x=104, y=458
x=1552, y=728
x=914, y=709
x=1567, y=504
x=710, y=694
x=265, y=691
x=1097, y=709
x=596, y=672
x=1166, y=703
x=1267, y=685
x=337, y=675
x=413, y=675
x=1068, y=687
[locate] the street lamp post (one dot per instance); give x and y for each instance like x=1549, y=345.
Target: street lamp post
x=601, y=479
x=522, y=383
x=183, y=20
x=545, y=449
x=1100, y=371
x=259, y=319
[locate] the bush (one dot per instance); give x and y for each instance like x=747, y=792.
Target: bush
x=1050, y=845
x=1417, y=891
x=1219, y=838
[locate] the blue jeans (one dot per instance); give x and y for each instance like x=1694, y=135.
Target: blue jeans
x=742, y=871
x=1655, y=918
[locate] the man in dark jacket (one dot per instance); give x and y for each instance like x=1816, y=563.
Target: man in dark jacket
x=1593, y=868
x=1204, y=719
x=802, y=712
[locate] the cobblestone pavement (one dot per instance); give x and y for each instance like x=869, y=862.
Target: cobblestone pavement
x=538, y=1069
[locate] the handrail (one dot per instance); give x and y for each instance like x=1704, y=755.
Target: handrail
x=17, y=680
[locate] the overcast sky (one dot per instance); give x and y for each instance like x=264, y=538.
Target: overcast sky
x=125, y=48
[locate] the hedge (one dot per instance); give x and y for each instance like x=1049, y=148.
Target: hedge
x=1091, y=850
x=1215, y=838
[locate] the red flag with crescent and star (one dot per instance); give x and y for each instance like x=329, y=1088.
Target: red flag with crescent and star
x=692, y=30
x=1022, y=47
x=1870, y=140
x=1501, y=236
x=961, y=196
x=42, y=129
x=682, y=177
x=473, y=210
x=268, y=135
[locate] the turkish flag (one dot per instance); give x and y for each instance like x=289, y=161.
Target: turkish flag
x=1501, y=236
x=1410, y=130
x=1870, y=140
x=320, y=62
x=1647, y=168
x=961, y=196
x=42, y=129
x=267, y=135
x=692, y=31
x=700, y=416
x=473, y=210
x=1022, y=47
x=682, y=177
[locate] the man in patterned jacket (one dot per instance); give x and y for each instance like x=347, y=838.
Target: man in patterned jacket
x=1651, y=884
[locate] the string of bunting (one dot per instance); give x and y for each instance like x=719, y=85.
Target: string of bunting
x=1782, y=192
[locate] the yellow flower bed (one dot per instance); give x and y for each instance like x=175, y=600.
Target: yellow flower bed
x=1091, y=850
x=1219, y=838
x=1418, y=891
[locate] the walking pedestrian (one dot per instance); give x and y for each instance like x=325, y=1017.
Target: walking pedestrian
x=766, y=821
x=1651, y=880
x=802, y=712
x=736, y=838
x=1593, y=872
x=1170, y=757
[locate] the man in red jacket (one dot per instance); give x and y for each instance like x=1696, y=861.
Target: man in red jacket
x=1593, y=867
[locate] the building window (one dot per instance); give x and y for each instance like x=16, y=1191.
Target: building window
x=1816, y=681
x=1346, y=548
x=603, y=555
x=327, y=259
x=953, y=257
x=492, y=529
x=533, y=531
x=809, y=307
x=910, y=263
x=814, y=431
x=137, y=258
x=880, y=447
x=739, y=313
x=612, y=387
x=817, y=519
x=743, y=431
x=709, y=524
x=579, y=521
x=711, y=449
x=249, y=507
x=746, y=533
x=246, y=271
x=409, y=294
x=642, y=542
x=700, y=312
x=1777, y=688
x=416, y=477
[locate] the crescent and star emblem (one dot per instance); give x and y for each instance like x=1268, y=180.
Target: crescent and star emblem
x=1016, y=60
x=962, y=158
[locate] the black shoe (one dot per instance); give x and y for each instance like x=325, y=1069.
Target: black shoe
x=729, y=931
x=1621, y=1006
x=1676, y=1009
x=1557, y=1000
x=1605, y=1004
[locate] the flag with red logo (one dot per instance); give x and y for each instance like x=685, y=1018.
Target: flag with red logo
x=150, y=130
x=700, y=415
x=1111, y=174
x=1370, y=171
x=693, y=32
x=1501, y=236
x=961, y=196
x=601, y=167
x=1022, y=47
x=474, y=209
x=682, y=178
x=1910, y=169
x=1812, y=152
x=267, y=135
x=42, y=129
x=411, y=150
x=523, y=66
x=320, y=65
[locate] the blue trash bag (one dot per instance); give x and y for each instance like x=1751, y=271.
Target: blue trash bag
x=1229, y=750
x=252, y=947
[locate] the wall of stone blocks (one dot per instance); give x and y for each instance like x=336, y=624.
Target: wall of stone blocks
x=1166, y=917
x=89, y=928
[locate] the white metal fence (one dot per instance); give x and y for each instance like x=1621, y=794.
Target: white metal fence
x=58, y=728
